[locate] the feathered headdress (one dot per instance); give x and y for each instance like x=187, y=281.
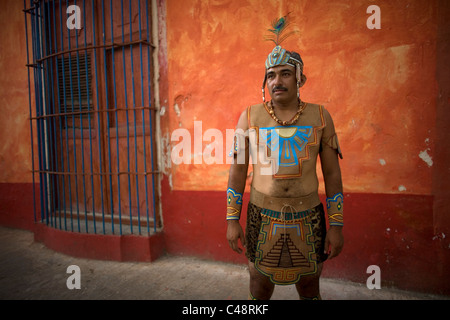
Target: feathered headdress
x=280, y=56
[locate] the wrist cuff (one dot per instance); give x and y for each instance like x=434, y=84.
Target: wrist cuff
x=335, y=210
x=234, y=204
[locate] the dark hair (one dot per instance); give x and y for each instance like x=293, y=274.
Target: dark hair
x=296, y=55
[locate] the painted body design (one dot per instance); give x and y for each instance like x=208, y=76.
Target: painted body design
x=287, y=241
x=288, y=146
x=287, y=143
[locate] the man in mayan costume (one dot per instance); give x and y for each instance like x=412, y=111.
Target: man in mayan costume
x=286, y=239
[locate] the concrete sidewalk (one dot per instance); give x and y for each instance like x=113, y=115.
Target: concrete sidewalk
x=29, y=270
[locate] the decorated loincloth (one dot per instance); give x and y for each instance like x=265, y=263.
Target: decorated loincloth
x=285, y=243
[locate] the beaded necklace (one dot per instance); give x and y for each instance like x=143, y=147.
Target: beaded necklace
x=301, y=108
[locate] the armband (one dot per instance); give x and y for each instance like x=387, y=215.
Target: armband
x=335, y=210
x=234, y=204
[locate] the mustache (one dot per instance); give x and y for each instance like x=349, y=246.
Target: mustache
x=279, y=88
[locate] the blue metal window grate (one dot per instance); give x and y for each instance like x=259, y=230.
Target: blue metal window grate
x=92, y=117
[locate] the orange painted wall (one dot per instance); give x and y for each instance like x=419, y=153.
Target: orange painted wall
x=16, y=180
x=15, y=146
x=378, y=84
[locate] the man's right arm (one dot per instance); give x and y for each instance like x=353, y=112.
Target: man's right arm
x=236, y=184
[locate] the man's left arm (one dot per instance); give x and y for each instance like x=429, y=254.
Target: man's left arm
x=329, y=153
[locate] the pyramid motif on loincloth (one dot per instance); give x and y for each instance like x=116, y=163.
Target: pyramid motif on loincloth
x=284, y=254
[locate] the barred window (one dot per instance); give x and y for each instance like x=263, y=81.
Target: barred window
x=74, y=84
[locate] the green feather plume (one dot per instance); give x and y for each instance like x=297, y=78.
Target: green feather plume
x=279, y=27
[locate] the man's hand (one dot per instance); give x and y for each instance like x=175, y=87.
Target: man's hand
x=235, y=232
x=335, y=240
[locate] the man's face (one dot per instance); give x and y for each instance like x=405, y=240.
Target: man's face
x=282, y=83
